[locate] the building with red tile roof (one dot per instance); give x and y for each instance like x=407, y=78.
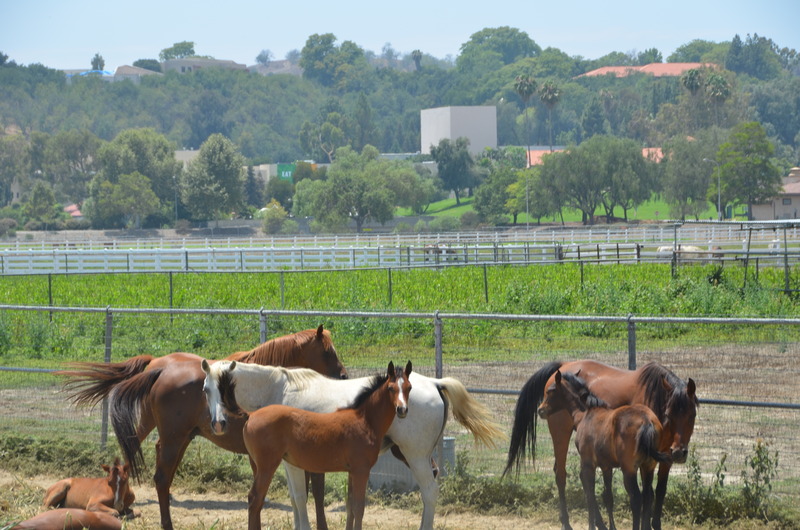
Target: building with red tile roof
x=654, y=69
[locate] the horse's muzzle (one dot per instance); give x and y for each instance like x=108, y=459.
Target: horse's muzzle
x=219, y=427
x=402, y=412
x=543, y=412
x=679, y=455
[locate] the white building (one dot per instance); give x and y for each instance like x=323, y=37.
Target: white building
x=477, y=124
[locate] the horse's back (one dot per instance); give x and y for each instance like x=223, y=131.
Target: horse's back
x=70, y=519
x=615, y=386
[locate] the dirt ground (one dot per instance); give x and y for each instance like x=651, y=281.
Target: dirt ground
x=21, y=498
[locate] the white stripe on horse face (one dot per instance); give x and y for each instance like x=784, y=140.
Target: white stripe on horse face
x=400, y=382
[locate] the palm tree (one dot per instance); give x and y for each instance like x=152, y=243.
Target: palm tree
x=718, y=90
x=525, y=87
x=550, y=94
x=416, y=55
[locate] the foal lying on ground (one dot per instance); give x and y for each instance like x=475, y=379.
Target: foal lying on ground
x=111, y=494
x=627, y=437
x=348, y=439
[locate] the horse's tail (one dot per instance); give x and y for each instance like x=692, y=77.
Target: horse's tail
x=125, y=407
x=89, y=383
x=471, y=413
x=523, y=433
x=648, y=442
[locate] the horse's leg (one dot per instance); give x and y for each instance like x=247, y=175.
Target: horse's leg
x=428, y=488
x=262, y=476
x=647, y=472
x=634, y=494
x=608, y=500
x=57, y=493
x=318, y=490
x=296, y=479
x=560, y=426
x=357, y=482
x=587, y=479
x=661, y=491
x=168, y=455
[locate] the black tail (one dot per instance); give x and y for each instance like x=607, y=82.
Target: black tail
x=124, y=411
x=523, y=434
x=90, y=383
x=648, y=443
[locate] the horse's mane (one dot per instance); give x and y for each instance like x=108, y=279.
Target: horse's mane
x=281, y=350
x=375, y=382
x=299, y=378
x=657, y=396
x=227, y=390
x=580, y=387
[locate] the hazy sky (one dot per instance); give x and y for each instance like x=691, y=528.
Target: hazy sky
x=67, y=33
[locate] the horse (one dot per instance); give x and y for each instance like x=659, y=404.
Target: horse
x=257, y=386
x=111, y=494
x=672, y=400
x=627, y=437
x=70, y=519
x=348, y=439
x=156, y=392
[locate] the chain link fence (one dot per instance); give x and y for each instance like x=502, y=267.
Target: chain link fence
x=747, y=375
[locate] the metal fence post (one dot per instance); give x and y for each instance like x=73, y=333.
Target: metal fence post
x=390, y=285
x=631, y=342
x=104, y=424
x=262, y=325
x=437, y=335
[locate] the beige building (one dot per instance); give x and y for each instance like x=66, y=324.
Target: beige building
x=477, y=124
x=786, y=205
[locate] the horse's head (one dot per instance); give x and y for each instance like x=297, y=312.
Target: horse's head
x=680, y=413
x=323, y=357
x=216, y=383
x=118, y=475
x=399, y=387
x=567, y=392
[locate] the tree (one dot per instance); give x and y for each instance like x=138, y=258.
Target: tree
x=454, y=164
x=264, y=57
x=685, y=181
x=493, y=194
x=133, y=197
x=510, y=43
x=274, y=217
x=179, y=50
x=550, y=95
x=593, y=120
x=41, y=205
x=212, y=185
x=748, y=174
x=69, y=160
x=253, y=189
x=651, y=55
x=14, y=160
x=525, y=87
x=328, y=64
x=98, y=63
x=364, y=129
x=416, y=56
x=148, y=64
x=280, y=190
x=718, y=90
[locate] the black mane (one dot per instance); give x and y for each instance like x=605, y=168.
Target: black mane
x=375, y=383
x=658, y=398
x=227, y=391
x=580, y=387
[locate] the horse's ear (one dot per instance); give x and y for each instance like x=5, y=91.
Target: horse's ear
x=558, y=377
x=205, y=366
x=691, y=389
x=390, y=370
x=232, y=366
x=666, y=385
x=106, y=468
x=408, y=368
x=319, y=332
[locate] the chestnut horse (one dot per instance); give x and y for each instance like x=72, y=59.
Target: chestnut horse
x=627, y=437
x=417, y=436
x=349, y=439
x=672, y=400
x=70, y=519
x=111, y=494
x=149, y=392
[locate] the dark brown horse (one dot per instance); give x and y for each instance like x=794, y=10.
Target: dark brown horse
x=627, y=437
x=672, y=400
x=166, y=393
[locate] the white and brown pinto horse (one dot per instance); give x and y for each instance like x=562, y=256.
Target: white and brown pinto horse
x=257, y=386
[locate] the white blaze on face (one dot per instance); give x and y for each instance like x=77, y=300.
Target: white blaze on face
x=400, y=383
x=117, y=500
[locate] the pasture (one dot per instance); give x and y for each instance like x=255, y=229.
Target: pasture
x=728, y=361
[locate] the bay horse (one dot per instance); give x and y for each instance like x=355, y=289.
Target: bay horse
x=348, y=439
x=256, y=386
x=627, y=437
x=149, y=393
x=70, y=519
x=673, y=400
x=111, y=494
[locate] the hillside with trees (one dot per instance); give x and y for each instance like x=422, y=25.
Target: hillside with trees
x=88, y=141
